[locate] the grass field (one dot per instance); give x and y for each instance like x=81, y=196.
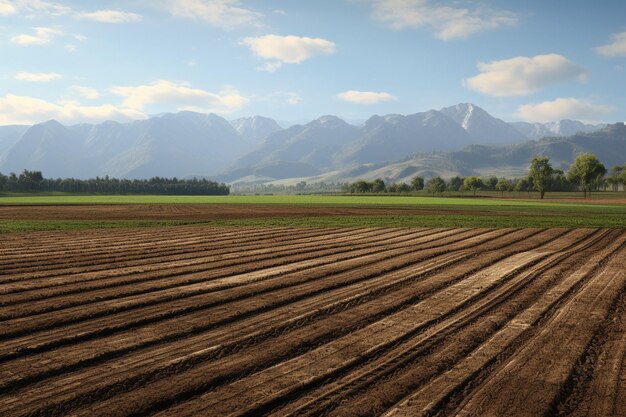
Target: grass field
x=376, y=200
x=605, y=210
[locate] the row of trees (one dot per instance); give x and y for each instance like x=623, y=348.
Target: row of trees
x=586, y=174
x=34, y=181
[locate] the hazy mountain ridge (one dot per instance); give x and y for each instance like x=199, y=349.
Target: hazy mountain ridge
x=315, y=143
x=557, y=128
x=481, y=126
x=255, y=128
x=609, y=144
x=169, y=145
x=10, y=135
x=257, y=148
x=390, y=138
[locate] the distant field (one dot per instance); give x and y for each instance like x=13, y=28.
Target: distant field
x=315, y=199
x=58, y=212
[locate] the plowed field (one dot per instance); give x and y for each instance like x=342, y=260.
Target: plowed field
x=209, y=321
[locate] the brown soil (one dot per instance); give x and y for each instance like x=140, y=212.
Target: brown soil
x=217, y=321
x=197, y=211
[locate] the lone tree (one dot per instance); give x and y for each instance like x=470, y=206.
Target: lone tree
x=587, y=172
x=436, y=185
x=417, y=183
x=473, y=184
x=541, y=174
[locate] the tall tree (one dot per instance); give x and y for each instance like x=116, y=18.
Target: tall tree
x=587, y=172
x=473, y=184
x=504, y=185
x=378, y=185
x=417, y=183
x=491, y=182
x=436, y=185
x=541, y=174
x=361, y=186
x=617, y=176
x=455, y=184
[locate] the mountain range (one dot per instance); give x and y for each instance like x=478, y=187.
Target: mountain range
x=257, y=149
x=511, y=161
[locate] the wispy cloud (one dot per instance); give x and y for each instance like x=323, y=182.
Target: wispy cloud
x=225, y=14
x=290, y=49
x=110, y=16
x=42, y=36
x=7, y=8
x=36, y=8
x=135, y=103
x=564, y=108
x=447, y=22
x=616, y=48
x=85, y=92
x=520, y=76
x=29, y=110
x=365, y=97
x=37, y=77
x=182, y=96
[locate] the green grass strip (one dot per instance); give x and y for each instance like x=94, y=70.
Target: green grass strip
x=607, y=221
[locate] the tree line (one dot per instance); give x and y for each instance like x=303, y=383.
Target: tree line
x=586, y=174
x=34, y=181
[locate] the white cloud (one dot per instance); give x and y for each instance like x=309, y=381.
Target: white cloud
x=37, y=8
x=28, y=110
x=135, y=100
x=293, y=99
x=225, y=14
x=270, y=66
x=7, y=9
x=564, y=108
x=42, y=36
x=289, y=49
x=522, y=75
x=181, y=95
x=615, y=48
x=110, y=16
x=85, y=92
x=37, y=77
x=71, y=48
x=447, y=22
x=365, y=97
x=278, y=98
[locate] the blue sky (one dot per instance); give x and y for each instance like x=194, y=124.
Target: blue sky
x=294, y=60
